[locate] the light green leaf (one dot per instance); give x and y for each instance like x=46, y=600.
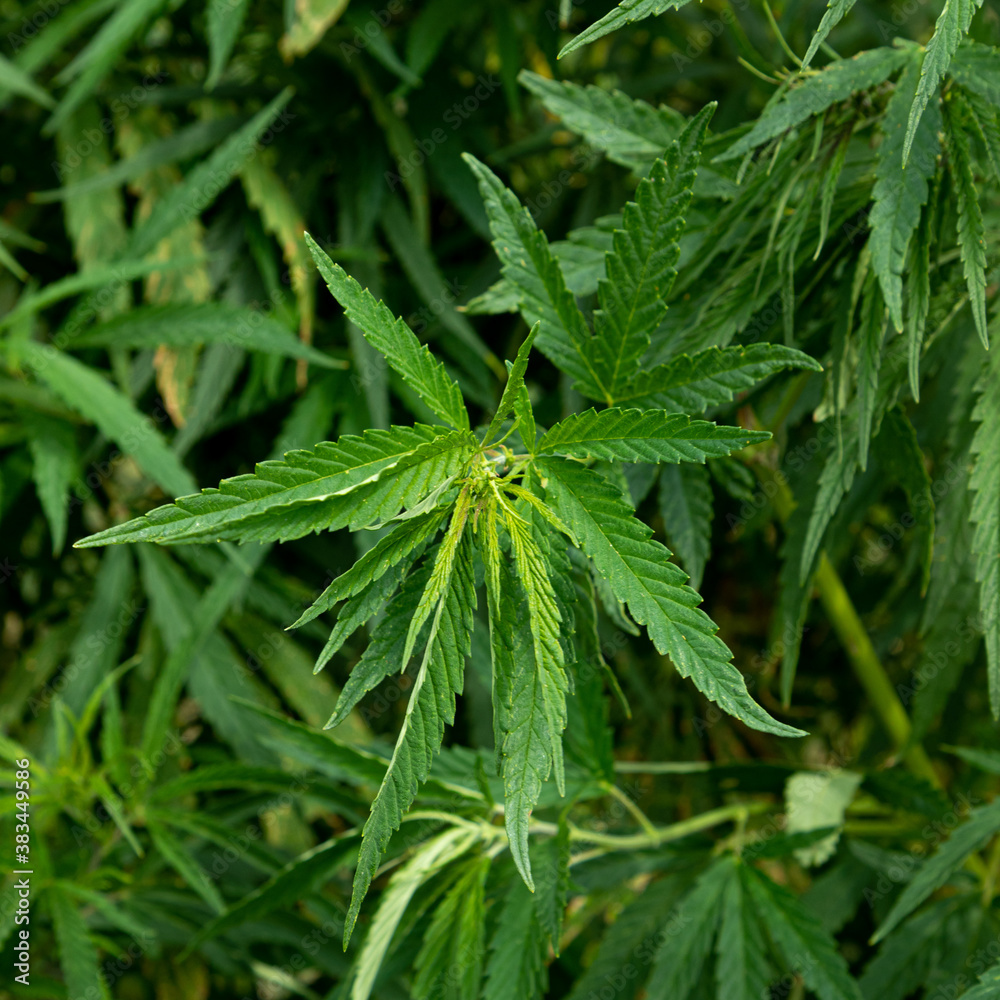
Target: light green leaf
x=431, y=706
x=426, y=861
x=643, y=264
x=644, y=436
x=971, y=229
x=386, y=553
x=536, y=717
x=384, y=652
x=641, y=575
x=835, y=11
x=512, y=390
x=419, y=369
x=328, y=487
x=529, y=265
x=815, y=800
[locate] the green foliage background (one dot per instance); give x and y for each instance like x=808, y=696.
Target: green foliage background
x=163, y=326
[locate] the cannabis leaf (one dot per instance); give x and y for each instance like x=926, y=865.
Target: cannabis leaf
x=332, y=486
x=642, y=266
x=835, y=82
x=644, y=436
x=641, y=576
x=393, y=338
x=528, y=264
x=626, y=12
x=693, y=383
x=835, y=12
x=431, y=706
x=952, y=26
x=984, y=483
x=900, y=194
x=632, y=133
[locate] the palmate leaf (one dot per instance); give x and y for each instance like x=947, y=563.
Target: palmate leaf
x=631, y=133
x=680, y=959
x=528, y=264
x=634, y=932
x=742, y=968
x=835, y=82
x=644, y=436
x=626, y=12
x=900, y=194
x=984, y=483
x=951, y=27
x=981, y=826
x=835, y=12
x=693, y=383
x=640, y=574
x=799, y=938
x=449, y=965
x=643, y=264
x=419, y=369
x=333, y=485
x=971, y=229
x=77, y=953
x=516, y=967
x=431, y=706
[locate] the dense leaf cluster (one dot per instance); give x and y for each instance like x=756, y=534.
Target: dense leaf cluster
x=765, y=342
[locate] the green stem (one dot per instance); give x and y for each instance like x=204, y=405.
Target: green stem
x=662, y=766
x=658, y=835
x=868, y=669
x=860, y=652
x=634, y=811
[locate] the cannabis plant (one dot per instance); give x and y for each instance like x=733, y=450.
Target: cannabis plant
x=587, y=732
